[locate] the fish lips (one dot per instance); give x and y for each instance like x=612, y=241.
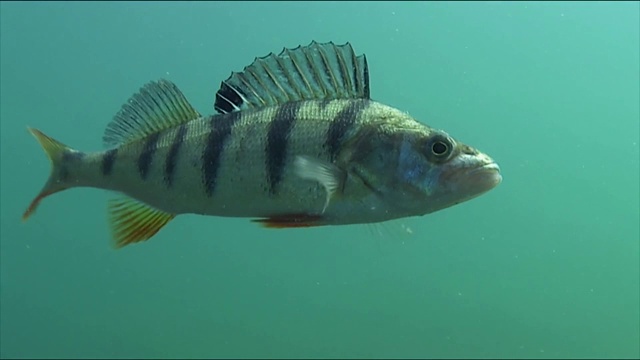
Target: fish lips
x=483, y=178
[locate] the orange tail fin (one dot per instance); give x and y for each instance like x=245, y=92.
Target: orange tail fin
x=56, y=151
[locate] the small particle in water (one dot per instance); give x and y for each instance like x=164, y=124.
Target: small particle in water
x=406, y=229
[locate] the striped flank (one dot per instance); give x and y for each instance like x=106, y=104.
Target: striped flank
x=342, y=124
x=277, y=140
x=172, y=156
x=221, y=127
x=108, y=159
x=146, y=156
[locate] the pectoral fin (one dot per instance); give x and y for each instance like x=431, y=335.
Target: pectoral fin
x=328, y=175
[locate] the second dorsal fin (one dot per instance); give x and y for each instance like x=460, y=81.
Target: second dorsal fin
x=158, y=105
x=318, y=71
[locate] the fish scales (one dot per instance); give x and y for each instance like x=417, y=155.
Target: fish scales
x=242, y=165
x=297, y=142
x=255, y=168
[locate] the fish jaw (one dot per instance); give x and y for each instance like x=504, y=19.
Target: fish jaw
x=483, y=178
x=470, y=175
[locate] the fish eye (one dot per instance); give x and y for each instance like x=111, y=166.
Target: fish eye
x=439, y=148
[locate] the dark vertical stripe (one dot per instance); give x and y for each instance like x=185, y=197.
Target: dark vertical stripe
x=341, y=124
x=324, y=103
x=172, y=156
x=108, y=159
x=146, y=157
x=221, y=127
x=277, y=140
x=70, y=159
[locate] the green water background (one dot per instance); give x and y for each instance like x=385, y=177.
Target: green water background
x=546, y=265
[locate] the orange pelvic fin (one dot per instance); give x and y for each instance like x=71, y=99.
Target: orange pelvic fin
x=290, y=221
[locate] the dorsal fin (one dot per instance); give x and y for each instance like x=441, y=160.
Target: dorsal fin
x=318, y=71
x=159, y=105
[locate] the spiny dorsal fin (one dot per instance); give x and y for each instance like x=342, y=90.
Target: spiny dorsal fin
x=158, y=105
x=318, y=71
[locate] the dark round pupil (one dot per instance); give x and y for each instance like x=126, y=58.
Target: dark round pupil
x=439, y=148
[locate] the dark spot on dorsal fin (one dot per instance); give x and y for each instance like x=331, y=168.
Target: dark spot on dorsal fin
x=228, y=99
x=317, y=71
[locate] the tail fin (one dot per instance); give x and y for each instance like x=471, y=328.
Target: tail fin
x=57, y=153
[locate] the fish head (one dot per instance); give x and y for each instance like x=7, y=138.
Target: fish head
x=441, y=172
x=416, y=170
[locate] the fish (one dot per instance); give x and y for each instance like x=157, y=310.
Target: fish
x=295, y=141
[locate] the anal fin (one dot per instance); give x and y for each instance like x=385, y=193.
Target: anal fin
x=290, y=221
x=133, y=221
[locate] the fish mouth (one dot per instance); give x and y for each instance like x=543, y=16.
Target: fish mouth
x=485, y=177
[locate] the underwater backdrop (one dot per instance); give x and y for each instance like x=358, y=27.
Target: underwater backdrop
x=546, y=265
